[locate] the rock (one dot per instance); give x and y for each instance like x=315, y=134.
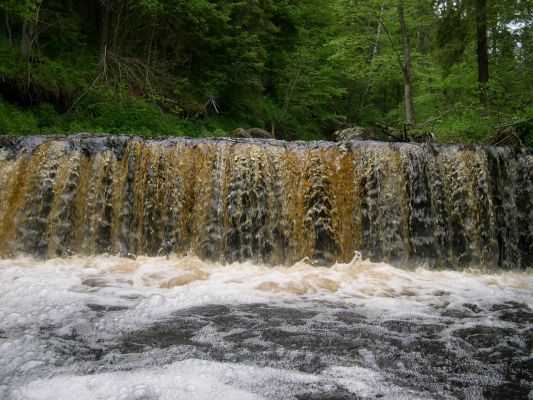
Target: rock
x=252, y=133
x=354, y=133
x=240, y=133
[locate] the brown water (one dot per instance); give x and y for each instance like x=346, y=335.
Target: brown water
x=267, y=201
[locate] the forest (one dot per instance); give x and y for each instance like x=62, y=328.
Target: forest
x=449, y=71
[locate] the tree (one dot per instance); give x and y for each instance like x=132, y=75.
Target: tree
x=304, y=67
x=406, y=69
x=482, y=52
x=374, y=55
x=28, y=12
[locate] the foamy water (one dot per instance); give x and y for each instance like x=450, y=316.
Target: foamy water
x=151, y=328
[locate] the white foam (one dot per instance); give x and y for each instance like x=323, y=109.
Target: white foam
x=190, y=379
x=197, y=379
x=57, y=293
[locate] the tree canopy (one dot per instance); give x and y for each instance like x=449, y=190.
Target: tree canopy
x=459, y=69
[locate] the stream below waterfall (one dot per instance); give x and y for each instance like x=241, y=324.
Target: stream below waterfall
x=112, y=328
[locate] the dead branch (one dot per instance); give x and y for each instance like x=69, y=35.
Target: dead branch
x=385, y=129
x=434, y=119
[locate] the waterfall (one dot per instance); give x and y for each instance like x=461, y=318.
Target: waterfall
x=268, y=201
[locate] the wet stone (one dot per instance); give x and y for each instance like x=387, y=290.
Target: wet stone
x=336, y=394
x=94, y=282
x=105, y=307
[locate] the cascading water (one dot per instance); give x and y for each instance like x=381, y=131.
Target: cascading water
x=267, y=201
x=163, y=269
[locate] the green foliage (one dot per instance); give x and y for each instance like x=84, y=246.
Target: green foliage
x=13, y=120
x=25, y=9
x=304, y=67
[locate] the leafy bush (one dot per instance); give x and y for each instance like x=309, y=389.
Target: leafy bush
x=15, y=121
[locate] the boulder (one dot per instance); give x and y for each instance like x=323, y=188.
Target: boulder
x=251, y=133
x=354, y=133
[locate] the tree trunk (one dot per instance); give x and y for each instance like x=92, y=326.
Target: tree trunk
x=8, y=29
x=482, y=53
x=104, y=31
x=290, y=91
x=406, y=69
x=398, y=97
x=117, y=23
x=149, y=57
x=29, y=34
x=374, y=55
x=26, y=39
